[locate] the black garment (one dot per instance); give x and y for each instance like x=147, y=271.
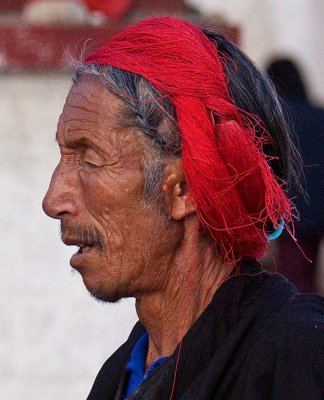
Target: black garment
x=258, y=339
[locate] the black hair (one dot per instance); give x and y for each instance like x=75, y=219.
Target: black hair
x=252, y=91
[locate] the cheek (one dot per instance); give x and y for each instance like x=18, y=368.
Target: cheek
x=114, y=205
x=98, y=193
x=111, y=190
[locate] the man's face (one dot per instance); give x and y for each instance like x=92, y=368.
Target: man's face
x=96, y=193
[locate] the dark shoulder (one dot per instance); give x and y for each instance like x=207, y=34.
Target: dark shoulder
x=290, y=325
x=300, y=327
x=300, y=349
x=286, y=360
x=304, y=308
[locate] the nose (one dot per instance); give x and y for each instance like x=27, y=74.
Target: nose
x=60, y=197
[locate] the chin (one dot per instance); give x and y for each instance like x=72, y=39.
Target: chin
x=102, y=293
x=103, y=298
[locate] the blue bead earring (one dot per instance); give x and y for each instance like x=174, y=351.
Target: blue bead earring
x=277, y=232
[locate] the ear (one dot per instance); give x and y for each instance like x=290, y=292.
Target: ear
x=174, y=185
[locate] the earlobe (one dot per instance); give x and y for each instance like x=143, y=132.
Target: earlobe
x=182, y=204
x=178, y=200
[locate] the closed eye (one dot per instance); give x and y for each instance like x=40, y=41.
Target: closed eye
x=90, y=164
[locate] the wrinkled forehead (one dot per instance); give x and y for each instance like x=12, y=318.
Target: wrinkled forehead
x=93, y=116
x=88, y=97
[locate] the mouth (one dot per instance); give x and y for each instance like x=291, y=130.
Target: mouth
x=87, y=240
x=84, y=249
x=81, y=257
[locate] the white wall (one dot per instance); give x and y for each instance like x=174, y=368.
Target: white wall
x=53, y=336
x=272, y=28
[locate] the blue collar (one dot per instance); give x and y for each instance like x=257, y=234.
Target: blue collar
x=136, y=365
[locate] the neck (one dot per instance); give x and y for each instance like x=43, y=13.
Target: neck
x=169, y=313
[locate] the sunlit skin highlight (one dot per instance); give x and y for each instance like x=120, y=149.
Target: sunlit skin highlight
x=156, y=257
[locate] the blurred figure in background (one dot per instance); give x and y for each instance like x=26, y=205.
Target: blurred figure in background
x=308, y=122
x=55, y=12
x=74, y=12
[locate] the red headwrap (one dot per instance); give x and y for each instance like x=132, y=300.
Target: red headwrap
x=234, y=189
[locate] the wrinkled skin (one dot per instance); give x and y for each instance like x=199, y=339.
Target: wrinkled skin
x=96, y=193
x=131, y=246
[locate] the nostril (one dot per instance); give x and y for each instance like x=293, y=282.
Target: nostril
x=60, y=198
x=56, y=205
x=48, y=207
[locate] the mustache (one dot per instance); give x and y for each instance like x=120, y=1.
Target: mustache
x=81, y=234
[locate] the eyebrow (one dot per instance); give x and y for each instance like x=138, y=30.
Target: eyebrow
x=79, y=136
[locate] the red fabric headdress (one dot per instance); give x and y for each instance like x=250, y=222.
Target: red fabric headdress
x=234, y=189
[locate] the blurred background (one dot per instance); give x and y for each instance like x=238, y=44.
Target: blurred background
x=53, y=336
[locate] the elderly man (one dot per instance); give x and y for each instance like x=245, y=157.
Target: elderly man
x=174, y=162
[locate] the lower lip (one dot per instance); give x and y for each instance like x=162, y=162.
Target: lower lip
x=78, y=257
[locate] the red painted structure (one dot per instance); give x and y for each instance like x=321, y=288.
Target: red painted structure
x=34, y=47
x=24, y=46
